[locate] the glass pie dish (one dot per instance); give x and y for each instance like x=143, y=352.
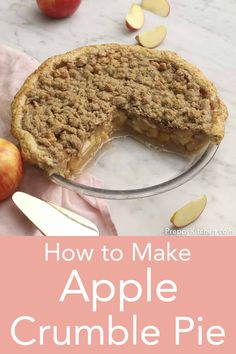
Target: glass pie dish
x=129, y=169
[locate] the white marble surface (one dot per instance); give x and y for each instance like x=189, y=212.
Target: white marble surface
x=203, y=32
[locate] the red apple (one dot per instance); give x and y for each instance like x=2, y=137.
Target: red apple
x=58, y=8
x=10, y=168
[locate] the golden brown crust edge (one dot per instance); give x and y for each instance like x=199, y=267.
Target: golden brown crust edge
x=30, y=151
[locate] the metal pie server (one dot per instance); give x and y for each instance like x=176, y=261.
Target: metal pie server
x=53, y=220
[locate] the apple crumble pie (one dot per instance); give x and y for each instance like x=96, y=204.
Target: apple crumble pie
x=75, y=102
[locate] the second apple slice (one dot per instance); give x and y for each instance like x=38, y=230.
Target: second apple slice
x=159, y=7
x=135, y=18
x=190, y=212
x=152, y=38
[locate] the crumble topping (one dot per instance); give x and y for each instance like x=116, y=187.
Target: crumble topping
x=75, y=94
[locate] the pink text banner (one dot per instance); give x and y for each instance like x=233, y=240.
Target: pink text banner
x=113, y=295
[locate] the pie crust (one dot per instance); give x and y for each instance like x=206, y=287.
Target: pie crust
x=75, y=102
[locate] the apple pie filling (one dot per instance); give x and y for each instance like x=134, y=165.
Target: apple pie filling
x=183, y=142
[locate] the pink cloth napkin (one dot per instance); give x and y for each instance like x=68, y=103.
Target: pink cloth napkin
x=14, y=68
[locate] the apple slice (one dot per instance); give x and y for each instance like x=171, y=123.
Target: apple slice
x=135, y=19
x=152, y=38
x=159, y=7
x=190, y=212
